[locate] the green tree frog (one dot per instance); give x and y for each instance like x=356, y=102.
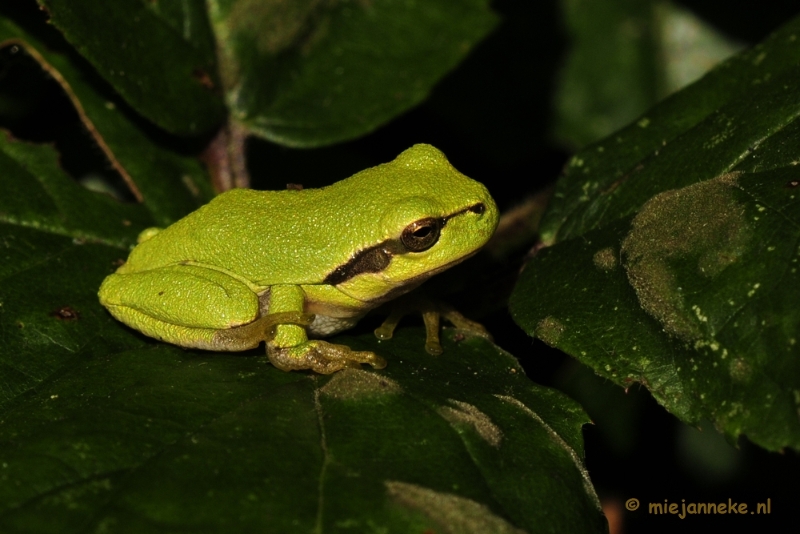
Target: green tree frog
x=280, y=266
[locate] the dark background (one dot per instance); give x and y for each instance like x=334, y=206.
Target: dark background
x=493, y=117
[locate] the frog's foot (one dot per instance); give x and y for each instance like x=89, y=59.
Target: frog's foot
x=459, y=321
x=321, y=357
x=431, y=312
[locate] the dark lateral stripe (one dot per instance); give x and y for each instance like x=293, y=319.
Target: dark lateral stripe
x=377, y=258
x=478, y=208
x=370, y=260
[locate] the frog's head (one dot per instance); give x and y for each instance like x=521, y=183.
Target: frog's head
x=428, y=218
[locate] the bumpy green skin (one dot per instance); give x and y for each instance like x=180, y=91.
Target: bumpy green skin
x=251, y=266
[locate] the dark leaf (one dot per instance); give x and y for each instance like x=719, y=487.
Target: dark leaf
x=624, y=56
x=159, y=58
x=315, y=72
x=740, y=116
x=677, y=249
x=101, y=428
x=172, y=184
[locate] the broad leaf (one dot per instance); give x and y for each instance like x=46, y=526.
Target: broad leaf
x=302, y=73
x=625, y=55
x=174, y=185
x=101, y=428
x=677, y=248
x=610, y=74
x=315, y=72
x=160, y=59
x=740, y=116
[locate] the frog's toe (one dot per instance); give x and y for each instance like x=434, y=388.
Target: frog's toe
x=369, y=357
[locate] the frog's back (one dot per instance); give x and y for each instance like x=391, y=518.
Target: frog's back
x=267, y=237
x=302, y=236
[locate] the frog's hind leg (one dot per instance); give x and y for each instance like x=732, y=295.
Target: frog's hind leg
x=187, y=305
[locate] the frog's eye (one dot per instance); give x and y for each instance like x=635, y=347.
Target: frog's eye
x=421, y=235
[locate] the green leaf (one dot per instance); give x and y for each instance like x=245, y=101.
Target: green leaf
x=610, y=75
x=625, y=55
x=160, y=59
x=160, y=439
x=740, y=116
x=173, y=184
x=314, y=72
x=298, y=73
x=677, y=250
x=101, y=428
x=37, y=194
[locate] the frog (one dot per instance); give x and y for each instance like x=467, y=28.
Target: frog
x=290, y=267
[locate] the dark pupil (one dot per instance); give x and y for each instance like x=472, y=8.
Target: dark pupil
x=421, y=235
x=422, y=232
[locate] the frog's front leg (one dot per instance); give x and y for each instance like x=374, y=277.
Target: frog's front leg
x=288, y=346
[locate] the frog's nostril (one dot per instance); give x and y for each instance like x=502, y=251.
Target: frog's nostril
x=478, y=208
